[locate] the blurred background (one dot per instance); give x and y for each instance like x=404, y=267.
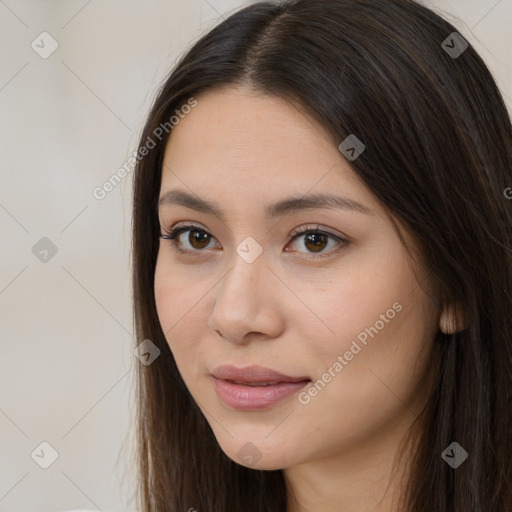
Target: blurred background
x=76, y=80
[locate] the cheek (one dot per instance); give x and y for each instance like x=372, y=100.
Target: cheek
x=383, y=358
x=180, y=302
x=380, y=322
x=165, y=294
x=352, y=304
x=174, y=293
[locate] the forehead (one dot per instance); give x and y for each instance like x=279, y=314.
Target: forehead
x=238, y=141
x=239, y=127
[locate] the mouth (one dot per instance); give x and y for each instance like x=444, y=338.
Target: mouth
x=255, y=387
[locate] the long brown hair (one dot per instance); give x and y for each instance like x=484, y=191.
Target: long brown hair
x=438, y=156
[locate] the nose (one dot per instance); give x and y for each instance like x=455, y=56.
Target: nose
x=246, y=303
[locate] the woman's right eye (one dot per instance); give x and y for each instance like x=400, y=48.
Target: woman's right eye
x=197, y=239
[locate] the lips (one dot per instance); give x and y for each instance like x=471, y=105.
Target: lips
x=253, y=375
x=254, y=387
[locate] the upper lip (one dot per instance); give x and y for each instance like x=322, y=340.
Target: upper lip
x=253, y=374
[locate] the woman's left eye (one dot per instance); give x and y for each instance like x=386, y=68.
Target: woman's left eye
x=314, y=240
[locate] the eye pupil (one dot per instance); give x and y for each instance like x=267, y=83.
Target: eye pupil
x=315, y=238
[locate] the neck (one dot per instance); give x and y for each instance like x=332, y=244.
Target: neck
x=367, y=477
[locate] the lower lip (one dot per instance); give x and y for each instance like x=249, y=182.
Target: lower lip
x=253, y=398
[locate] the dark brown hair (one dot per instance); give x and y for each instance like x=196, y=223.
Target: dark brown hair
x=438, y=157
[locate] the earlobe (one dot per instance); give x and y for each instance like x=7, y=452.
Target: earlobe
x=452, y=320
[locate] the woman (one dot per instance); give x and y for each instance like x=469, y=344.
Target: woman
x=321, y=254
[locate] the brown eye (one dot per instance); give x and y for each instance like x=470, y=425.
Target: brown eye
x=315, y=242
x=198, y=239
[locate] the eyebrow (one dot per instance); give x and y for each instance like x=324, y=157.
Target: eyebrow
x=279, y=209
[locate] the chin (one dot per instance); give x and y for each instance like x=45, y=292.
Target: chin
x=260, y=454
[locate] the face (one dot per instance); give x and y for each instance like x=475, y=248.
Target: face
x=323, y=294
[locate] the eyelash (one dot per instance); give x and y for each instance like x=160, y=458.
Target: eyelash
x=174, y=233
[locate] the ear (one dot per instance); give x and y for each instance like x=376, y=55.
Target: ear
x=452, y=319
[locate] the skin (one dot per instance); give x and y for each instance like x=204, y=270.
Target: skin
x=243, y=150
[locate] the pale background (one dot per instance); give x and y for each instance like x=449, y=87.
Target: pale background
x=67, y=123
